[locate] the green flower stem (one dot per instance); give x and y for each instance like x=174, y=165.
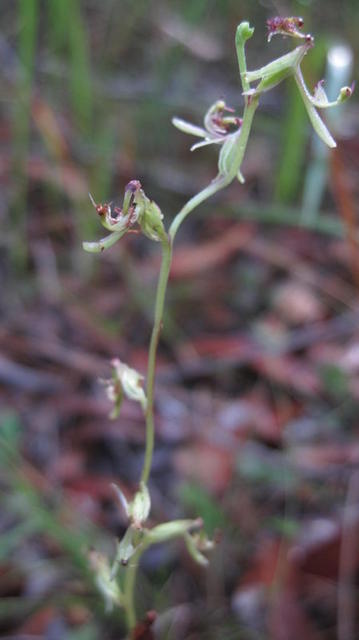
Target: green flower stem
x=159, y=305
x=167, y=242
x=251, y=104
x=161, y=533
x=130, y=581
x=217, y=184
x=157, y=325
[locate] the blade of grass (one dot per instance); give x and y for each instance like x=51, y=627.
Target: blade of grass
x=67, y=30
x=67, y=27
x=30, y=503
x=288, y=216
x=58, y=20
x=80, y=74
x=27, y=12
x=293, y=148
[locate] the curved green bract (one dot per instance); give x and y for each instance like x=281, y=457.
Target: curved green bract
x=104, y=243
x=243, y=33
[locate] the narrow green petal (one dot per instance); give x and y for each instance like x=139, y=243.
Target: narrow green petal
x=317, y=123
x=205, y=143
x=189, y=128
x=104, y=243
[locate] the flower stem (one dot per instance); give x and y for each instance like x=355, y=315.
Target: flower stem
x=130, y=581
x=217, y=184
x=167, y=242
x=157, y=325
x=161, y=533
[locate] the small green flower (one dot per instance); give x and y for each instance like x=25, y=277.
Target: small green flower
x=127, y=382
x=137, y=211
x=149, y=214
x=173, y=529
x=198, y=544
x=137, y=512
x=320, y=101
x=139, y=508
x=289, y=65
x=218, y=127
x=126, y=547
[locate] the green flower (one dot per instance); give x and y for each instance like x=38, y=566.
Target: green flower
x=273, y=73
x=137, y=211
x=127, y=382
x=218, y=129
x=217, y=126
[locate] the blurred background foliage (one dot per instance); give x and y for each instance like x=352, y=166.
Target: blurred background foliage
x=88, y=90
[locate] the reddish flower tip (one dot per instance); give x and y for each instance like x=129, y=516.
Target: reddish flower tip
x=309, y=39
x=101, y=209
x=285, y=26
x=133, y=186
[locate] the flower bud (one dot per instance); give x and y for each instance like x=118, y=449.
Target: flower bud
x=320, y=98
x=151, y=222
x=227, y=160
x=125, y=549
x=139, y=508
x=346, y=93
x=136, y=209
x=149, y=214
x=320, y=101
x=174, y=529
x=107, y=586
x=197, y=543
